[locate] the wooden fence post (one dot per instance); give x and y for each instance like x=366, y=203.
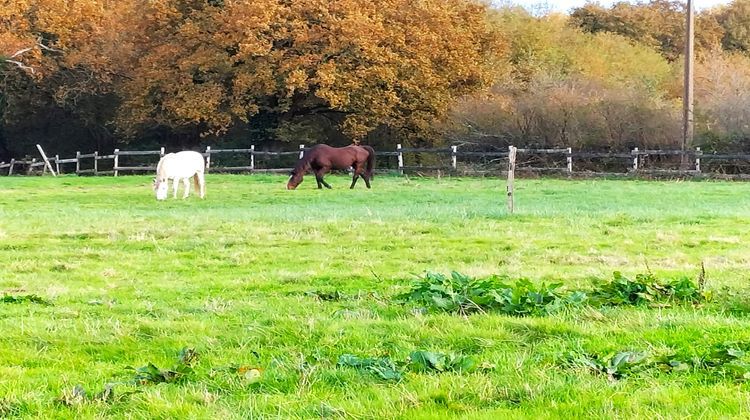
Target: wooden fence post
x=635, y=159
x=47, y=165
x=31, y=166
x=10, y=168
x=116, y=164
x=301, y=150
x=96, y=163
x=161, y=153
x=454, y=149
x=208, y=158
x=511, y=176
x=569, y=160
x=400, y=159
x=57, y=163
x=698, y=154
x=78, y=163
x=252, y=157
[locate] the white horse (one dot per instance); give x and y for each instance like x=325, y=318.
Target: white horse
x=180, y=166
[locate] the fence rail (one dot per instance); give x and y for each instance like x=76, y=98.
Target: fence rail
x=445, y=159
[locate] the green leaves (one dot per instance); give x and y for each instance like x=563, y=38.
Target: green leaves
x=151, y=374
x=25, y=299
x=722, y=360
x=645, y=289
x=425, y=361
x=420, y=361
x=463, y=294
x=382, y=367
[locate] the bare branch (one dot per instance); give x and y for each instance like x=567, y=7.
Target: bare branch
x=19, y=52
x=44, y=47
x=21, y=65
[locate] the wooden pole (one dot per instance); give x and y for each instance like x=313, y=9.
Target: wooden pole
x=511, y=176
x=57, y=163
x=635, y=159
x=96, y=163
x=687, y=100
x=10, y=168
x=252, y=157
x=454, y=149
x=301, y=150
x=31, y=166
x=569, y=160
x=400, y=159
x=46, y=161
x=78, y=163
x=698, y=154
x=117, y=162
x=208, y=158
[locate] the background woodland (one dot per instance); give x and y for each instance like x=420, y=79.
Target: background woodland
x=95, y=75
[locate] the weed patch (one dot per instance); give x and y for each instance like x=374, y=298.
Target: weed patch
x=182, y=370
x=645, y=289
x=25, y=299
x=727, y=360
x=463, y=294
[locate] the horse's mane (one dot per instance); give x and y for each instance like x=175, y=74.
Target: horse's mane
x=160, y=167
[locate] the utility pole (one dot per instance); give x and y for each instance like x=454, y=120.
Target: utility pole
x=687, y=99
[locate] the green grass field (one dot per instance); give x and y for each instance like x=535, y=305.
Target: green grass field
x=248, y=278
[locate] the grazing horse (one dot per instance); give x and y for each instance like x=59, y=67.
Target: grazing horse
x=322, y=158
x=180, y=166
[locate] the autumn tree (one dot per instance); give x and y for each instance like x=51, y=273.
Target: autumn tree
x=735, y=21
x=658, y=23
x=202, y=66
x=567, y=88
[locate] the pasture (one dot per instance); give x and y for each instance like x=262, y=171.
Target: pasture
x=271, y=287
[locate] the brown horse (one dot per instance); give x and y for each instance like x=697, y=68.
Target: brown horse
x=322, y=158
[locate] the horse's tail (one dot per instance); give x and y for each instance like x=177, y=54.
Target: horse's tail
x=370, y=161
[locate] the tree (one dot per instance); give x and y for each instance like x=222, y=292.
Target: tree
x=735, y=21
x=362, y=64
x=658, y=23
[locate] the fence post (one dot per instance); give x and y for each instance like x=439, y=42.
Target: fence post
x=57, y=164
x=117, y=162
x=400, y=159
x=252, y=157
x=301, y=150
x=635, y=159
x=698, y=154
x=161, y=153
x=453, y=156
x=31, y=166
x=511, y=176
x=78, y=163
x=208, y=158
x=96, y=163
x=569, y=160
x=10, y=168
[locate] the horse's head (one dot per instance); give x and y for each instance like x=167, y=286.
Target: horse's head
x=160, y=188
x=294, y=179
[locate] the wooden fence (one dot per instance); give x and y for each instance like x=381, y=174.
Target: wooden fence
x=451, y=159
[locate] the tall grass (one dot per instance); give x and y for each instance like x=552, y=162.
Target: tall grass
x=271, y=287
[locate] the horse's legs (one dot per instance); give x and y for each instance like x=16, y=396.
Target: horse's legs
x=200, y=183
x=367, y=180
x=175, y=184
x=319, y=179
x=319, y=176
x=186, y=183
x=358, y=172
